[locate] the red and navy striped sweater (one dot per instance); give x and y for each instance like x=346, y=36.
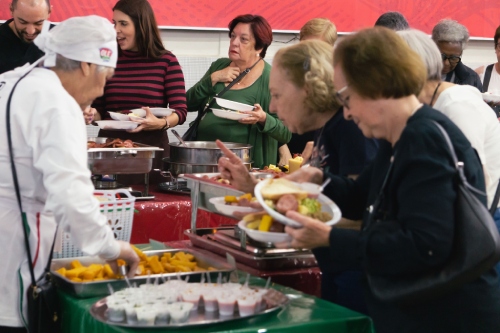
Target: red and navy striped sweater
x=141, y=81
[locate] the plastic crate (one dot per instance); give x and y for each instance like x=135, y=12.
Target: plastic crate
x=118, y=207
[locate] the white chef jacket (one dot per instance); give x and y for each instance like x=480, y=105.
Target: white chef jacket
x=49, y=140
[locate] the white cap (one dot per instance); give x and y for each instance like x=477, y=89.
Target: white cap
x=86, y=38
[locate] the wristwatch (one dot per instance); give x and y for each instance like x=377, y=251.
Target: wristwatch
x=167, y=125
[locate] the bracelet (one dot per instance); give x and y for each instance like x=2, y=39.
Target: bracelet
x=167, y=125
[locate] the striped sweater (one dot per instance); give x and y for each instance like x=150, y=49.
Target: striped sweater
x=141, y=81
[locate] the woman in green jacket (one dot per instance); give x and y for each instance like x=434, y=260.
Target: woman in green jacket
x=250, y=36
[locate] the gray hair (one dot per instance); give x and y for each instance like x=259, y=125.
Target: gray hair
x=427, y=50
x=68, y=65
x=393, y=20
x=450, y=31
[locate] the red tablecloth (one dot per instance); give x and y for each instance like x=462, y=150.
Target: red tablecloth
x=307, y=280
x=167, y=216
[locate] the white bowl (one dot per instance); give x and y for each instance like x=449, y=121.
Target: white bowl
x=116, y=124
x=265, y=236
x=490, y=97
x=233, y=115
x=222, y=208
x=158, y=112
x=327, y=205
x=227, y=104
x=119, y=116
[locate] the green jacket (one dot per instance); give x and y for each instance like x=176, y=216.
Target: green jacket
x=263, y=138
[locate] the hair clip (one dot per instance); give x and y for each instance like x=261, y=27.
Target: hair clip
x=307, y=64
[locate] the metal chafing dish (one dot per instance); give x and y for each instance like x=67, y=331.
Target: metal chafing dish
x=100, y=288
x=113, y=161
x=103, y=161
x=231, y=240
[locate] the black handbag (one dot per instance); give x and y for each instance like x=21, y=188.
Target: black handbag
x=43, y=302
x=192, y=133
x=476, y=248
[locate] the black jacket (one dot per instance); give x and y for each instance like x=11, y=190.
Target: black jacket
x=465, y=75
x=13, y=51
x=416, y=234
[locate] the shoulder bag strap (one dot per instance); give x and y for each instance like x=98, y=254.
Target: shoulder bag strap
x=494, y=204
x=229, y=86
x=24, y=218
x=459, y=165
x=487, y=77
x=16, y=182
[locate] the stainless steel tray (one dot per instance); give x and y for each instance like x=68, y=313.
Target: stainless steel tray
x=199, y=317
x=203, y=189
x=260, y=258
x=100, y=288
x=104, y=161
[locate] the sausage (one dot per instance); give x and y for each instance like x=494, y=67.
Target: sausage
x=287, y=202
x=277, y=227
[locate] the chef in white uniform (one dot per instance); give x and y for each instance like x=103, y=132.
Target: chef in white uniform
x=50, y=154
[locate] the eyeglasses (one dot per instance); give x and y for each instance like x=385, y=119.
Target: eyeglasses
x=453, y=59
x=344, y=101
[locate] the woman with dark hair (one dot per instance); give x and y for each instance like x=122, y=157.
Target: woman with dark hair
x=250, y=37
x=147, y=75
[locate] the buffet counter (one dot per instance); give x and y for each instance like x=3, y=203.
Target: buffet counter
x=303, y=313
x=167, y=216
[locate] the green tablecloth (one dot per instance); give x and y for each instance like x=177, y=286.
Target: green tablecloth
x=303, y=314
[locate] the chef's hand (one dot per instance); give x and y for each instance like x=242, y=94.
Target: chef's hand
x=312, y=234
x=306, y=174
x=148, y=123
x=225, y=75
x=256, y=116
x=129, y=256
x=232, y=168
x=89, y=114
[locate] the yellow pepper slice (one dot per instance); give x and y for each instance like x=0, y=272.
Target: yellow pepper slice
x=230, y=199
x=265, y=223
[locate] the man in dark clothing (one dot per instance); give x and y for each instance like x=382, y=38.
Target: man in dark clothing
x=17, y=34
x=451, y=38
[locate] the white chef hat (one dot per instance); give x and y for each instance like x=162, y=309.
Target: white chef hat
x=86, y=38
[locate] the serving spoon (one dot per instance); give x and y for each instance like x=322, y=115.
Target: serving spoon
x=174, y=132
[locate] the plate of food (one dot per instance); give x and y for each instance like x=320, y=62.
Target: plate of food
x=229, y=204
x=228, y=114
x=119, y=116
x=489, y=97
x=116, y=124
x=157, y=112
x=227, y=104
x=261, y=227
x=278, y=196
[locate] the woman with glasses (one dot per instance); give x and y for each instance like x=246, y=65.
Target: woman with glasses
x=490, y=75
x=250, y=36
x=302, y=95
x=378, y=78
x=451, y=38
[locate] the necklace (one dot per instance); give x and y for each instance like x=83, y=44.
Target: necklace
x=434, y=95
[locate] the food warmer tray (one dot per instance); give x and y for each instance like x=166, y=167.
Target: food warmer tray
x=274, y=299
x=100, y=288
x=203, y=189
x=253, y=256
x=105, y=161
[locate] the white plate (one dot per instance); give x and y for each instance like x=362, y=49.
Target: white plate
x=327, y=205
x=119, y=116
x=220, y=205
x=489, y=97
x=227, y=104
x=116, y=124
x=233, y=115
x=158, y=112
x=262, y=236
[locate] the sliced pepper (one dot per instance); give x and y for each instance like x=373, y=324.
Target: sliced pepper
x=265, y=223
x=230, y=199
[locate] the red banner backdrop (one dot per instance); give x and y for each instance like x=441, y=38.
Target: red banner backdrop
x=480, y=16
